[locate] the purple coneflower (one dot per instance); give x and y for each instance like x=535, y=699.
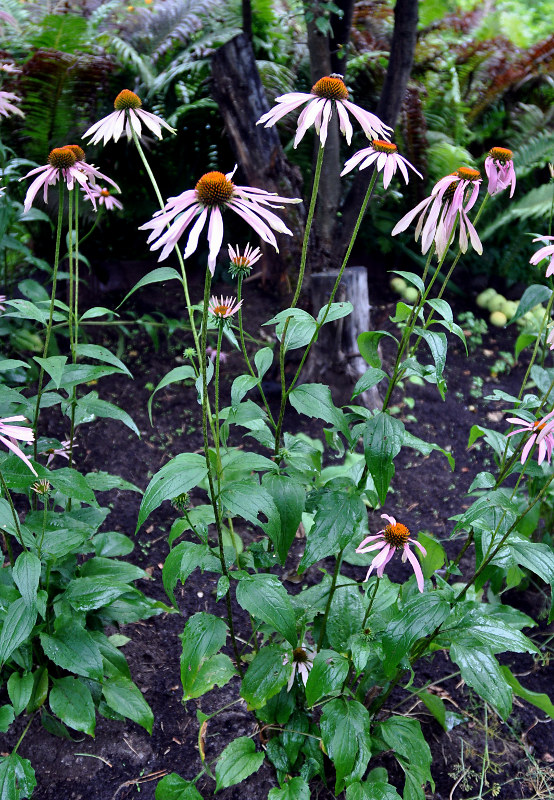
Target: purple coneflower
x=223, y=309
x=6, y=107
x=452, y=197
x=542, y=433
x=500, y=170
x=544, y=252
x=213, y=192
x=327, y=93
x=64, y=163
x=128, y=115
x=392, y=538
x=2, y=299
x=242, y=264
x=10, y=433
x=62, y=450
x=386, y=158
x=105, y=198
x=302, y=662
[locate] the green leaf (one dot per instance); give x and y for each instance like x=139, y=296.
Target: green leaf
x=173, y=787
x=416, y=619
x=20, y=688
x=26, y=575
x=539, y=700
x=289, y=498
x=90, y=406
x=371, y=377
x=345, y=617
x=336, y=311
x=237, y=762
x=104, y=482
x=71, y=647
x=263, y=360
x=99, y=353
x=403, y=735
x=7, y=716
x=53, y=366
x=18, y=624
x=176, y=375
x=536, y=557
x=215, y=671
x=314, y=400
x=368, y=343
x=121, y=571
x=71, y=701
x=246, y=498
x=300, y=329
x=17, y=778
x=111, y=543
x=327, y=675
x=371, y=790
x=12, y=363
x=265, y=597
x=435, y=557
x=88, y=594
x=77, y=374
x=534, y=295
x=426, y=448
x=438, y=345
x=345, y=734
x=442, y=307
x=482, y=672
x=295, y=789
x=436, y=707
x=412, y=278
x=178, y=476
x=265, y=676
x=204, y=635
x=183, y=560
x=123, y=696
x=383, y=438
x=241, y=385
x=159, y=275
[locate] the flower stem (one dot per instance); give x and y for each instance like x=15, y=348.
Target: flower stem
x=309, y=222
x=51, y=315
x=15, y=520
x=213, y=497
x=370, y=604
x=245, y=353
x=329, y=599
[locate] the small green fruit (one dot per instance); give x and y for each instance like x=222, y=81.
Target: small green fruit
x=483, y=298
x=411, y=294
x=496, y=303
x=398, y=285
x=509, y=308
x=498, y=319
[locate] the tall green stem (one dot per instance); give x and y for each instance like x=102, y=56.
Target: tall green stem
x=329, y=600
x=51, y=314
x=15, y=519
x=308, y=229
x=245, y=353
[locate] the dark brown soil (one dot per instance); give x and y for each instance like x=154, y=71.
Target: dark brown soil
x=123, y=759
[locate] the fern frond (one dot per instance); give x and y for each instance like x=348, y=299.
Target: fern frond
x=535, y=153
x=536, y=203
x=276, y=78
x=127, y=56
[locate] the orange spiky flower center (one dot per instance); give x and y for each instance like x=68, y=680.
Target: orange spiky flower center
x=539, y=425
x=468, y=174
x=104, y=193
x=214, y=189
x=127, y=99
x=62, y=158
x=396, y=535
x=299, y=655
x=331, y=88
x=501, y=154
x=77, y=151
x=384, y=147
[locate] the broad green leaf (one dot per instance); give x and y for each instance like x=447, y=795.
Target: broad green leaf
x=264, y=596
x=438, y=345
x=26, y=575
x=182, y=561
x=215, y=671
x=416, y=619
x=17, y=778
x=289, y=498
x=123, y=696
x=294, y=789
x=383, y=438
x=368, y=343
x=97, y=311
x=435, y=557
x=237, y=762
x=403, y=735
x=77, y=374
x=71, y=647
x=53, y=366
x=176, y=375
x=247, y=499
x=537, y=699
x=327, y=675
x=482, y=672
x=345, y=732
x=7, y=716
x=265, y=676
x=204, y=635
x=71, y=701
x=241, y=385
x=159, y=275
x=111, y=543
x=371, y=377
x=91, y=406
x=299, y=330
x=173, y=787
x=412, y=278
x=436, y=707
x=532, y=296
x=340, y=511
x=336, y=311
x=442, y=308
x=263, y=360
x=104, y=482
x=178, y=476
x=345, y=617
x=314, y=400
x=88, y=594
x=12, y=363
x=99, y=353
x=426, y=448
x=121, y=571
x=24, y=309
x=18, y=624
x=371, y=790
x=20, y=688
x=536, y=557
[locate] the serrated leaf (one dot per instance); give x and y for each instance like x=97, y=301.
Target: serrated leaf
x=238, y=760
x=204, y=635
x=327, y=675
x=383, y=438
x=404, y=737
x=178, y=476
x=264, y=596
x=265, y=676
x=314, y=400
x=417, y=618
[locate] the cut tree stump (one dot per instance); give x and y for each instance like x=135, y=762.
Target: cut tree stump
x=337, y=347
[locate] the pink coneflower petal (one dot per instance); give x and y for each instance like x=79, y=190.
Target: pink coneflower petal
x=416, y=566
x=392, y=538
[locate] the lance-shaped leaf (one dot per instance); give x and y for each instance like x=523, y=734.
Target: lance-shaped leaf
x=178, y=476
x=383, y=438
x=265, y=597
x=345, y=734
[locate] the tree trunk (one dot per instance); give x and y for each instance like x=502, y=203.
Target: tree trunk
x=394, y=88
x=337, y=348
x=238, y=91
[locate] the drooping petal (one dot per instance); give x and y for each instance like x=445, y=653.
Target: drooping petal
x=416, y=567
